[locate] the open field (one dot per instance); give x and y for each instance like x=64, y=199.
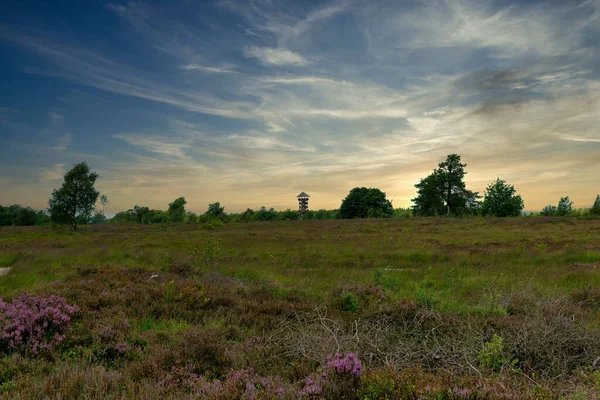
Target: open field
x=433, y=309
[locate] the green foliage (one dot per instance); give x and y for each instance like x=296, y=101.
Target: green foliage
x=444, y=191
x=42, y=218
x=190, y=217
x=548, y=211
x=8, y=215
x=177, y=210
x=565, y=207
x=25, y=217
x=403, y=212
x=491, y=354
x=142, y=215
x=76, y=197
x=266, y=215
x=212, y=224
x=425, y=296
x=290, y=215
x=215, y=210
x=595, y=210
x=500, y=200
x=208, y=254
x=386, y=384
x=350, y=302
x=381, y=279
x=22, y=216
x=98, y=218
x=366, y=203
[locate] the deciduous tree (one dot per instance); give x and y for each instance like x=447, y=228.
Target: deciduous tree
x=76, y=197
x=177, y=210
x=215, y=210
x=366, y=203
x=500, y=200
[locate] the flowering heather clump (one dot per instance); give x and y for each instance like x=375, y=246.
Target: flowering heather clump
x=314, y=384
x=121, y=347
x=242, y=384
x=125, y=325
x=348, y=364
x=181, y=377
x=251, y=386
x=35, y=323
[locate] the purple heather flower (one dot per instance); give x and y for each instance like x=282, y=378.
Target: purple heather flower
x=345, y=364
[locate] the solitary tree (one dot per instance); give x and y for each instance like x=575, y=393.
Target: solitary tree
x=177, y=210
x=595, y=210
x=444, y=190
x=366, y=203
x=500, y=200
x=76, y=197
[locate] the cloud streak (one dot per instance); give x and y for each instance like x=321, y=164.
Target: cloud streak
x=277, y=57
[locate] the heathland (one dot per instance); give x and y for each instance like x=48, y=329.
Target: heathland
x=418, y=308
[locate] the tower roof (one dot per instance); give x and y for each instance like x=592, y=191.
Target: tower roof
x=303, y=195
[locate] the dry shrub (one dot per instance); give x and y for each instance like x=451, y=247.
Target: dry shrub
x=553, y=343
x=522, y=303
x=74, y=381
x=182, y=268
x=412, y=334
x=207, y=349
x=156, y=360
x=588, y=298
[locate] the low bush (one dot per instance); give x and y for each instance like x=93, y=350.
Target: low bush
x=34, y=323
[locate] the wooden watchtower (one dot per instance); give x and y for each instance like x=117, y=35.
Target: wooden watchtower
x=303, y=203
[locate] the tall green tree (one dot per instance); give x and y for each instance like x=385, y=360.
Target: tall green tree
x=500, y=200
x=177, y=210
x=76, y=197
x=444, y=190
x=595, y=210
x=366, y=203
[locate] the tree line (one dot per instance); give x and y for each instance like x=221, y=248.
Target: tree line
x=443, y=192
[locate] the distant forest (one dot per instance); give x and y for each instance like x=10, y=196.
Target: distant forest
x=442, y=193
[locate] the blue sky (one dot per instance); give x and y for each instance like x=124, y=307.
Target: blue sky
x=251, y=102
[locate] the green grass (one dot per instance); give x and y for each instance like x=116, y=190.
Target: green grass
x=315, y=257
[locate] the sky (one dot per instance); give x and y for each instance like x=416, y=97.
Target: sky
x=251, y=102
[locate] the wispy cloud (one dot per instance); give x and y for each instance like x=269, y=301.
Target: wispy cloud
x=197, y=67
x=580, y=139
x=274, y=56
x=165, y=146
x=267, y=143
x=63, y=142
x=55, y=117
x=55, y=173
